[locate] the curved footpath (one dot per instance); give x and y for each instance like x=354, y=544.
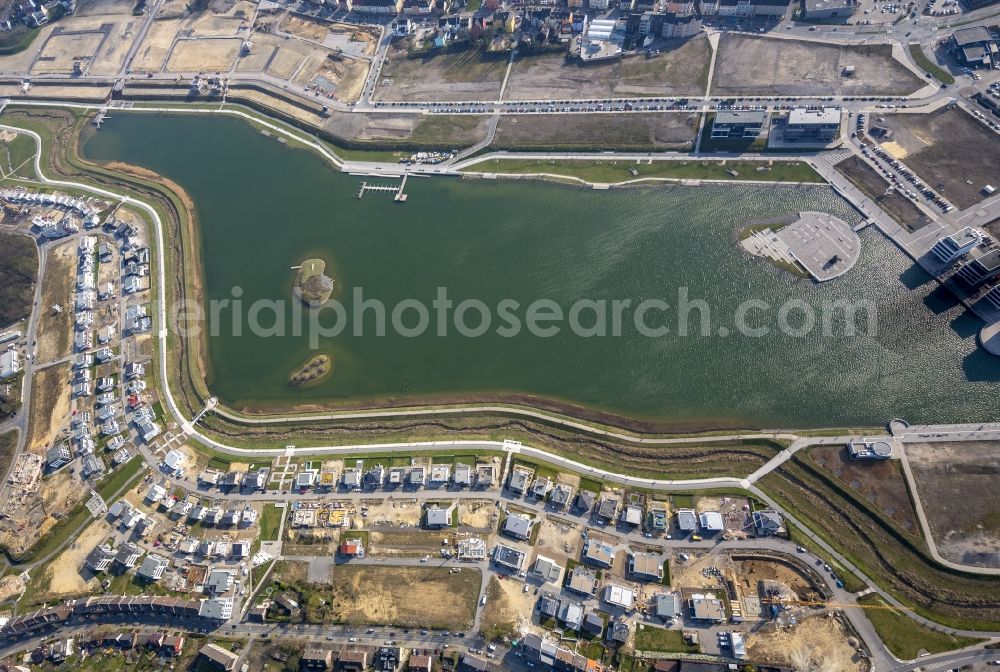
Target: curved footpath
x=959, y=432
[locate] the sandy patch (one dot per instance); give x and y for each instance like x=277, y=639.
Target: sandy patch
x=392, y=512
x=895, y=149
x=64, y=575
x=476, y=514
x=304, y=27
x=434, y=597
x=10, y=586
x=50, y=396
x=204, y=55
x=558, y=538
x=817, y=644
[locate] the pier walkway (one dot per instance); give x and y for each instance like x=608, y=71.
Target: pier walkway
x=400, y=197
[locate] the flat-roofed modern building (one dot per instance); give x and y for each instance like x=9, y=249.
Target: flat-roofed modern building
x=619, y=596
x=828, y=10
x=980, y=269
x=645, y=566
x=707, y=608
x=974, y=47
x=950, y=248
x=508, y=557
x=813, y=125
x=687, y=520
x=598, y=553
x=738, y=123
x=869, y=450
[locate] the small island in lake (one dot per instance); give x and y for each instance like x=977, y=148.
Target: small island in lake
x=311, y=285
x=315, y=370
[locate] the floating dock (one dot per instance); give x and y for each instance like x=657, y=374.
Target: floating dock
x=399, y=197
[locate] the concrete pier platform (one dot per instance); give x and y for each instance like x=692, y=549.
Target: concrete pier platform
x=826, y=246
x=823, y=245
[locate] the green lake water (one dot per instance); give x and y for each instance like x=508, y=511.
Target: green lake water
x=263, y=208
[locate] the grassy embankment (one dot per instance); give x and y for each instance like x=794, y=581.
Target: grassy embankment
x=608, y=171
x=936, y=71
x=894, y=558
x=73, y=521
x=17, y=39
x=905, y=638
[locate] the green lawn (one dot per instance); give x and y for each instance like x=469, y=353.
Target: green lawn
x=905, y=637
x=651, y=638
x=270, y=522
x=939, y=73
x=617, y=171
x=17, y=40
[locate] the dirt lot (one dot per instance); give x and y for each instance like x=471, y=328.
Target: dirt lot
x=691, y=574
x=748, y=65
x=950, y=150
x=662, y=130
x=681, y=69
x=751, y=572
x=203, y=55
x=153, y=51
x=391, y=512
x=55, y=331
x=346, y=74
x=60, y=51
x=404, y=543
x=558, y=538
x=36, y=513
x=50, y=405
x=818, y=644
x=10, y=587
x=479, y=515
x=467, y=75
x=62, y=576
x=966, y=529
x=871, y=183
x=508, y=609
x=405, y=596
x=303, y=27
x=881, y=483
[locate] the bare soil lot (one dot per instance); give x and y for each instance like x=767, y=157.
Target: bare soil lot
x=304, y=27
x=660, y=130
x=61, y=51
x=748, y=65
x=817, y=644
x=950, y=150
x=465, y=75
x=879, y=482
x=203, y=55
x=965, y=528
x=681, y=69
x=454, y=131
x=871, y=183
x=50, y=404
x=153, y=51
x=63, y=575
x=346, y=74
x=405, y=596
